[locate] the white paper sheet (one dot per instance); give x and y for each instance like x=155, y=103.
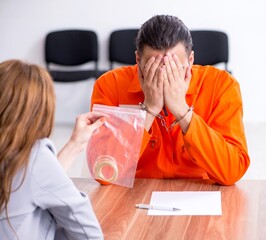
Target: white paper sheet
x=190, y=202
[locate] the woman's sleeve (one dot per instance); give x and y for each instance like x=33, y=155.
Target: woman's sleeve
x=55, y=192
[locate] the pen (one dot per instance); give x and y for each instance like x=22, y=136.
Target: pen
x=161, y=208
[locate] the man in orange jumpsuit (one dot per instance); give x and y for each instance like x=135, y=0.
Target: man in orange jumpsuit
x=193, y=125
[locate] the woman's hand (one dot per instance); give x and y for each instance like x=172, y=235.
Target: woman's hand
x=85, y=125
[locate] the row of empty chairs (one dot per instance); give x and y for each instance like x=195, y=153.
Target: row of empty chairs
x=74, y=48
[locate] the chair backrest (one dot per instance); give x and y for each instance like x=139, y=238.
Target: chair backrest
x=210, y=47
x=71, y=48
x=122, y=46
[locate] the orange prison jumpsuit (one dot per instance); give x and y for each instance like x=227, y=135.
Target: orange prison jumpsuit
x=214, y=146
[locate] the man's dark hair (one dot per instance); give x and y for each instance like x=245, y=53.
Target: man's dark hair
x=163, y=32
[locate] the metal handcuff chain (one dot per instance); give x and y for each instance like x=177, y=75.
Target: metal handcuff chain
x=161, y=117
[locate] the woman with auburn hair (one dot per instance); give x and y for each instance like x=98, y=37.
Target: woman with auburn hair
x=37, y=199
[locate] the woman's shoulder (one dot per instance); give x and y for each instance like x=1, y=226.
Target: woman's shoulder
x=42, y=147
x=44, y=167
x=44, y=143
x=43, y=159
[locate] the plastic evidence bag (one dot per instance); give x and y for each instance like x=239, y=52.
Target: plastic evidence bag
x=113, y=149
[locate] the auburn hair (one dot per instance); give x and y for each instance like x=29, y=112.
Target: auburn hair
x=27, y=106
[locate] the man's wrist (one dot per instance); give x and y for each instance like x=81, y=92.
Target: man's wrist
x=182, y=116
x=184, y=123
x=184, y=120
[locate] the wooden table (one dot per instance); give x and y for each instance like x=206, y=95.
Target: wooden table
x=243, y=211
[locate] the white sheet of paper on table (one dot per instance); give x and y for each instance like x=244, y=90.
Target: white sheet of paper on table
x=190, y=202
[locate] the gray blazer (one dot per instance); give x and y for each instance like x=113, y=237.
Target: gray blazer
x=47, y=205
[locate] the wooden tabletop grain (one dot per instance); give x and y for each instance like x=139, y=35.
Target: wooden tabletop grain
x=243, y=211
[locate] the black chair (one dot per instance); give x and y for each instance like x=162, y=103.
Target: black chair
x=122, y=47
x=69, y=48
x=210, y=47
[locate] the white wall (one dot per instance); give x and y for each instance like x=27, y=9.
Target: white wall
x=24, y=24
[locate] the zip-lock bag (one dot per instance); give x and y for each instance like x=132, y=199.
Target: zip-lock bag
x=113, y=149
